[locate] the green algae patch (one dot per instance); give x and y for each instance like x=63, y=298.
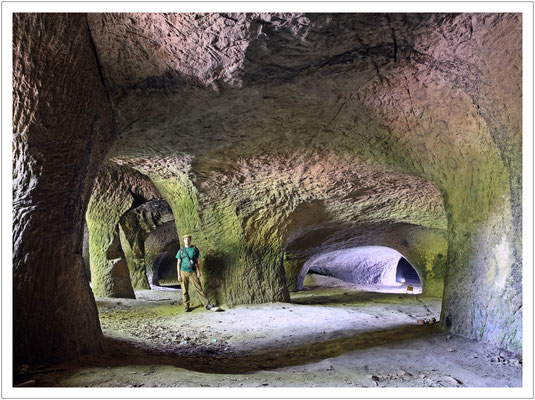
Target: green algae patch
x=117, y=190
x=428, y=255
x=292, y=268
x=235, y=268
x=181, y=195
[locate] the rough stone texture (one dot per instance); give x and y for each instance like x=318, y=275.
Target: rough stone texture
x=116, y=191
x=62, y=128
x=368, y=265
x=273, y=99
x=85, y=253
x=135, y=226
x=278, y=137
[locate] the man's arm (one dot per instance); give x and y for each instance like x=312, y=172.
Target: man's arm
x=199, y=268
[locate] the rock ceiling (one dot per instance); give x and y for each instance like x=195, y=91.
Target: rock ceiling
x=337, y=107
x=284, y=101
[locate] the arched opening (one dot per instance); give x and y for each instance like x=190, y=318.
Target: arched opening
x=373, y=268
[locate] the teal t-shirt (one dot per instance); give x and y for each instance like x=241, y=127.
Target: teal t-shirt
x=193, y=253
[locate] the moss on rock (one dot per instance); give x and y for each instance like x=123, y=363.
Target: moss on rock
x=117, y=190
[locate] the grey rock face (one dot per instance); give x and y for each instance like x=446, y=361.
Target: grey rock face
x=118, y=282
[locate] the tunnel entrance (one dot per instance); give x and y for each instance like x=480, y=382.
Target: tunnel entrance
x=368, y=268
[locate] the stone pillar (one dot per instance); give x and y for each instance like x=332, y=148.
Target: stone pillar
x=237, y=269
x=63, y=126
x=483, y=284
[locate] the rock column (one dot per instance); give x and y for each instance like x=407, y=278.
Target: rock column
x=63, y=126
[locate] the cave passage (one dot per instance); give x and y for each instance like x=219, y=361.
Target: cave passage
x=375, y=268
x=167, y=272
x=284, y=143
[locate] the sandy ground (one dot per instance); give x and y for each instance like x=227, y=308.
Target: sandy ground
x=332, y=334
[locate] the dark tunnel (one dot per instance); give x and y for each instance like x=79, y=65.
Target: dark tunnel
x=165, y=266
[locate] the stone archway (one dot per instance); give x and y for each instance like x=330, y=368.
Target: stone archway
x=161, y=247
x=136, y=226
x=405, y=272
x=366, y=265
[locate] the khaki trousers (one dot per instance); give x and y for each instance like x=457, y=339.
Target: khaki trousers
x=186, y=278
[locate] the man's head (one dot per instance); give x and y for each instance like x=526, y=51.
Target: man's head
x=187, y=240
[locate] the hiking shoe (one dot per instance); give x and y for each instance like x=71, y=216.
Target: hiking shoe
x=187, y=309
x=209, y=307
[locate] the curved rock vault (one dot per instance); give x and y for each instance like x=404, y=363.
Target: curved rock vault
x=367, y=265
x=274, y=138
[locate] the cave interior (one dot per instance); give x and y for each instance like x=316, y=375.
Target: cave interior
x=341, y=144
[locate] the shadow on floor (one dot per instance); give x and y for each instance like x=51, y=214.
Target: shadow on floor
x=124, y=353
x=340, y=297
x=120, y=352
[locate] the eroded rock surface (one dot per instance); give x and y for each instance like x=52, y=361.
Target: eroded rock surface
x=62, y=129
x=275, y=138
x=135, y=226
x=117, y=190
x=281, y=113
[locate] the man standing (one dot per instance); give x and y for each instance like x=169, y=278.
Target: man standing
x=189, y=268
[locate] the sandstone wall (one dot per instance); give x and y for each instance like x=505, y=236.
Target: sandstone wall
x=62, y=129
x=235, y=269
x=462, y=116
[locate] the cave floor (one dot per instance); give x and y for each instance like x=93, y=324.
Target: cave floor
x=341, y=336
